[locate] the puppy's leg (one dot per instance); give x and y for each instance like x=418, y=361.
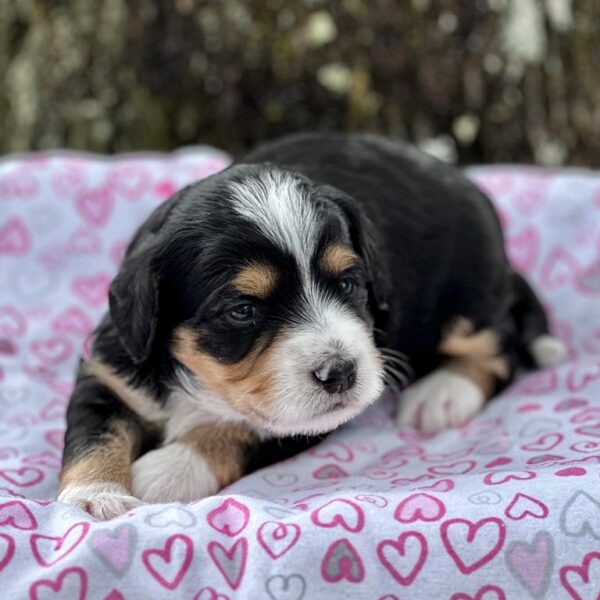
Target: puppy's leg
x=458, y=389
x=102, y=438
x=197, y=464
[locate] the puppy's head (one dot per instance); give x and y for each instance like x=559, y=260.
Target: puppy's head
x=262, y=285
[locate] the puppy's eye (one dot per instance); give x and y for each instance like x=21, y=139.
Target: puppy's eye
x=243, y=313
x=347, y=285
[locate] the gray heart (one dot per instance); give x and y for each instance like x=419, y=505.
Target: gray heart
x=14, y=394
x=485, y=497
x=593, y=430
x=33, y=282
x=230, y=565
x=333, y=567
x=113, y=549
x=538, y=427
x=280, y=479
x=171, y=515
x=280, y=587
x=278, y=512
x=581, y=515
x=523, y=562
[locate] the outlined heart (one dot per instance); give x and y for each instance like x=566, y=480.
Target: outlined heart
x=522, y=506
x=441, y=485
x=457, y=468
x=169, y=565
x=523, y=248
x=342, y=512
x=209, y=593
x=582, y=374
x=52, y=351
x=280, y=587
x=419, y=507
x=48, y=550
x=471, y=545
x=12, y=322
x=532, y=564
x=15, y=238
x=582, y=581
x=404, y=557
x=487, y=592
x=73, y=320
x=500, y=477
x=115, y=547
x=330, y=472
x=544, y=443
x=92, y=289
x=558, y=269
x=231, y=562
x=72, y=583
x=7, y=550
x=16, y=514
x=342, y=561
x=95, y=205
x=581, y=516
x=22, y=476
x=171, y=515
x=334, y=450
x=277, y=538
x=229, y=518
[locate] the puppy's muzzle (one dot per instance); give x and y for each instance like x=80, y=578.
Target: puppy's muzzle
x=336, y=376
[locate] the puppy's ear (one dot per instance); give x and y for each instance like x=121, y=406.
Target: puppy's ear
x=364, y=240
x=133, y=301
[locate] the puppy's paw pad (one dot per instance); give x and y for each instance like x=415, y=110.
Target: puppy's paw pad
x=173, y=473
x=442, y=399
x=101, y=501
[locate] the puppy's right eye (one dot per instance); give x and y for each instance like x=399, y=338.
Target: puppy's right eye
x=243, y=313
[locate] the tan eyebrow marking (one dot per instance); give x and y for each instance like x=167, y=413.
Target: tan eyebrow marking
x=336, y=259
x=257, y=279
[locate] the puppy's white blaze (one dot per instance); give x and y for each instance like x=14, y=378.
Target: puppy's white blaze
x=173, y=473
x=102, y=500
x=300, y=402
x=275, y=202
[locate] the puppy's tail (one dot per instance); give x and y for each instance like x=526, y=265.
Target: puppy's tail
x=538, y=346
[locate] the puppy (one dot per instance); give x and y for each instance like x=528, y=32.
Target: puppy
x=263, y=307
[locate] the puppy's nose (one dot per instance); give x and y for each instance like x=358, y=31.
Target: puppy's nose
x=336, y=377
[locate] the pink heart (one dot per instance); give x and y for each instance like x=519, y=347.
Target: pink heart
x=342, y=561
x=231, y=563
x=73, y=320
x=558, y=269
x=457, y=468
x=19, y=184
x=55, y=437
x=230, y=518
x=115, y=547
x=589, y=281
x=16, y=514
x=471, y=545
x=544, y=443
x=168, y=565
x=404, y=557
x=531, y=563
x=114, y=595
x=499, y=462
x=48, y=550
x=500, y=477
x=12, y=322
x=44, y=459
x=131, y=181
x=335, y=450
x=587, y=415
x=582, y=374
x=277, y=538
x=570, y=403
x=571, y=472
x=209, y=593
x=340, y=512
x=22, y=476
x=487, y=592
x=95, y=205
x=8, y=550
x=441, y=485
x=544, y=458
x=419, y=507
x=576, y=579
x=523, y=505
x=330, y=472
x=52, y=351
x=55, y=409
x=93, y=289
x=378, y=501
x=543, y=382
x=586, y=447
x=72, y=583
x=523, y=249
x=15, y=239
x=84, y=241
x=593, y=430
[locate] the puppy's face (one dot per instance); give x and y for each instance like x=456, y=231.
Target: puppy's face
x=268, y=294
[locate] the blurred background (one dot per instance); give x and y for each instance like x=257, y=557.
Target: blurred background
x=473, y=81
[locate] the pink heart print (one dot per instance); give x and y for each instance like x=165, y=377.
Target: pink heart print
x=523, y=249
x=471, y=545
x=231, y=562
x=168, y=565
x=277, y=538
x=15, y=238
x=72, y=583
x=48, y=550
x=93, y=289
x=16, y=514
x=419, y=507
x=340, y=512
x=7, y=550
x=522, y=506
x=487, y=592
x=230, y=518
x=12, y=322
x=404, y=557
x=583, y=581
x=23, y=476
x=342, y=562
x=95, y=205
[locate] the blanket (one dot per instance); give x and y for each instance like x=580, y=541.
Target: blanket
x=506, y=507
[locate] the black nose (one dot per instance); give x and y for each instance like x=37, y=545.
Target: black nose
x=336, y=377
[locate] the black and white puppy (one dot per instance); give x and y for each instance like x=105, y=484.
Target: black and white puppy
x=264, y=306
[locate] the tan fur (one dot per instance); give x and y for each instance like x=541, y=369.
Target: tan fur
x=247, y=385
x=135, y=399
x=484, y=373
x=336, y=259
x=257, y=280
x=460, y=340
x=108, y=461
x=223, y=447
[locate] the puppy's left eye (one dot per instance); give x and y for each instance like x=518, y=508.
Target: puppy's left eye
x=243, y=313
x=347, y=285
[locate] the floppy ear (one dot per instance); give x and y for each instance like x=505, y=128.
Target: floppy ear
x=133, y=301
x=364, y=240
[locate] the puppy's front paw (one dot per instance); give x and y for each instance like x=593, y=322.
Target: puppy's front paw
x=173, y=473
x=101, y=500
x=440, y=400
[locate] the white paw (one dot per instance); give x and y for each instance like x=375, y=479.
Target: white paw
x=173, y=473
x=441, y=399
x=548, y=351
x=101, y=500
